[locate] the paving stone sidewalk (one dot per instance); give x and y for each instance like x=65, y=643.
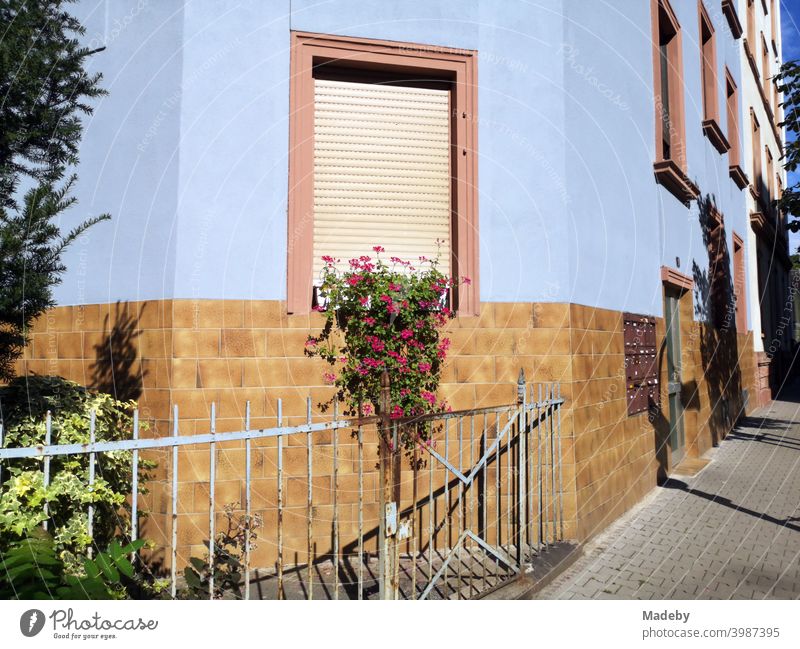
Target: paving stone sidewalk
x=730, y=532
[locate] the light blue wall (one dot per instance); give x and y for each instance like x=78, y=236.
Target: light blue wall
x=189, y=151
x=130, y=157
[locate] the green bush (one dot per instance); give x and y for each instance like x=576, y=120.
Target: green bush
x=24, y=403
x=31, y=569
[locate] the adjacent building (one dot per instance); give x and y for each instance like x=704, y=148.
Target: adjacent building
x=602, y=172
x=768, y=269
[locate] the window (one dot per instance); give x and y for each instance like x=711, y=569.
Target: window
x=776, y=102
x=734, y=139
x=739, y=284
x=729, y=11
x=708, y=63
x=757, y=180
x=708, y=74
x=670, y=165
x=751, y=27
x=369, y=117
x=770, y=188
x=765, y=73
x=773, y=26
x=720, y=298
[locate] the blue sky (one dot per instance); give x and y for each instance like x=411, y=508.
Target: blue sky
x=790, y=26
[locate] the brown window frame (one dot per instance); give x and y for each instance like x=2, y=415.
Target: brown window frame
x=749, y=44
x=739, y=284
x=459, y=66
x=731, y=15
x=773, y=26
x=765, y=71
x=709, y=81
x=670, y=162
x=757, y=172
x=770, y=187
x=733, y=131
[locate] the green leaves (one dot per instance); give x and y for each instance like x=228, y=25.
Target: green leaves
x=45, y=90
x=788, y=81
x=228, y=567
x=31, y=569
x=68, y=496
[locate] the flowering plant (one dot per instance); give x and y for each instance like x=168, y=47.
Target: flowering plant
x=384, y=316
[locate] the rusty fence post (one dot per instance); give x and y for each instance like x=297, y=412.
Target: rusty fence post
x=388, y=522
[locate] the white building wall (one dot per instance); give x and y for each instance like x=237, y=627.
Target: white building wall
x=751, y=98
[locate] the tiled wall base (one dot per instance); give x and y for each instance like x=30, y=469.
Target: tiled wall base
x=193, y=353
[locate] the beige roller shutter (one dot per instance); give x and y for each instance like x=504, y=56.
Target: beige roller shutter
x=381, y=171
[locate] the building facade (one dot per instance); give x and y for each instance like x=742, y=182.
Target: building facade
x=587, y=165
x=768, y=272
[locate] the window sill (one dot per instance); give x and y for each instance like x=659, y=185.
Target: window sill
x=714, y=133
x=729, y=9
x=673, y=178
x=739, y=177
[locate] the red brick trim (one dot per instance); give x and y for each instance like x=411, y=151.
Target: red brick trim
x=458, y=65
x=739, y=176
x=676, y=103
x=675, y=279
x=739, y=283
x=729, y=11
x=675, y=180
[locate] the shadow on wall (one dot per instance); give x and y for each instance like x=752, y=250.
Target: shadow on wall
x=715, y=313
x=660, y=423
x=117, y=369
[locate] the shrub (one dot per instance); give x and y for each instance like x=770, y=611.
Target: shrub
x=31, y=569
x=229, y=550
x=24, y=403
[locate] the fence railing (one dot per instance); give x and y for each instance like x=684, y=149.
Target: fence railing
x=353, y=514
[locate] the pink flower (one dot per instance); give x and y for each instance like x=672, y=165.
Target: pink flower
x=396, y=412
x=466, y=280
x=311, y=342
x=366, y=410
x=406, y=334
x=430, y=397
x=364, y=301
x=327, y=259
x=378, y=249
x=385, y=298
x=354, y=280
x=405, y=392
x=424, y=367
x=317, y=307
x=370, y=321
x=394, y=287
x=329, y=377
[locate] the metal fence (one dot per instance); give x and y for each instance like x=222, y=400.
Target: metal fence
x=459, y=513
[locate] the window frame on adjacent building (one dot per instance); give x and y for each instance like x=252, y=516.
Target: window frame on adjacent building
x=770, y=187
x=731, y=15
x=757, y=173
x=668, y=88
x=751, y=29
x=765, y=71
x=773, y=26
x=458, y=66
x=739, y=284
